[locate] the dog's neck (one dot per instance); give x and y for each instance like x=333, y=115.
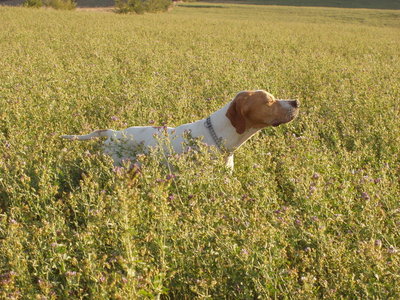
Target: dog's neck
x=231, y=140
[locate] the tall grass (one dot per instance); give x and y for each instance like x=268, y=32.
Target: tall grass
x=311, y=210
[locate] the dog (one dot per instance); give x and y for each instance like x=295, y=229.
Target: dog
x=227, y=129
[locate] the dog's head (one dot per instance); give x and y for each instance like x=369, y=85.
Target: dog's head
x=259, y=109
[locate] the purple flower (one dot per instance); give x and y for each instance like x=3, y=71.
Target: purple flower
x=114, y=118
x=170, y=176
x=70, y=273
x=365, y=196
x=377, y=180
x=315, y=175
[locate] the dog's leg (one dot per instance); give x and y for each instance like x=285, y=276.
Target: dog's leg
x=94, y=134
x=230, y=163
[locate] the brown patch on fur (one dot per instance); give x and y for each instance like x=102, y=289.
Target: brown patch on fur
x=235, y=112
x=255, y=109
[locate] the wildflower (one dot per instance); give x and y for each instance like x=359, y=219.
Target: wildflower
x=70, y=273
x=315, y=175
x=170, y=176
x=245, y=252
x=114, y=118
x=378, y=243
x=151, y=122
x=365, y=178
x=365, y=196
x=171, y=197
x=6, y=278
x=377, y=180
x=392, y=250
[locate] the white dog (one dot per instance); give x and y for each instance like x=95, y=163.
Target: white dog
x=227, y=129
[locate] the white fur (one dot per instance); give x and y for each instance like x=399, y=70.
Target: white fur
x=120, y=145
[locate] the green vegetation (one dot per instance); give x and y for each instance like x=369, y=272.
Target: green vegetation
x=311, y=211
x=141, y=6
x=57, y=4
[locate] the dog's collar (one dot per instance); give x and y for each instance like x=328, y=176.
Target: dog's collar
x=217, y=140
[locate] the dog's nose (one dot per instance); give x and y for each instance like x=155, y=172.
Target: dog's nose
x=295, y=103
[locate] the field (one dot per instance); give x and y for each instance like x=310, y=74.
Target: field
x=311, y=211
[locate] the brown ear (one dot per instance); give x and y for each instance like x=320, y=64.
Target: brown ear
x=235, y=112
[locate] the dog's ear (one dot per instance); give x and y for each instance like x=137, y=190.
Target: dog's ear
x=236, y=112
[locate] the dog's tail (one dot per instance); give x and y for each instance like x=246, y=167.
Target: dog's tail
x=94, y=134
